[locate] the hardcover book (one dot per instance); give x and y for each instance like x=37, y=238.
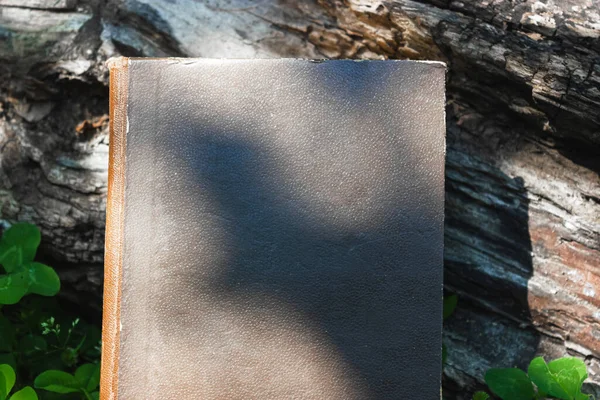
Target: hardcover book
x=274, y=230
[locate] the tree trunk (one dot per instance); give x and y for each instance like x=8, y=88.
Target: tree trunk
x=523, y=157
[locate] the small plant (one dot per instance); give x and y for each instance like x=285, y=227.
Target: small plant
x=22, y=275
x=559, y=379
x=37, y=338
x=7, y=382
x=85, y=381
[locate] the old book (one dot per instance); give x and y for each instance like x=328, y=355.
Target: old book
x=274, y=230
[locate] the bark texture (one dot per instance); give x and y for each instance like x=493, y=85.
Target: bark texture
x=523, y=154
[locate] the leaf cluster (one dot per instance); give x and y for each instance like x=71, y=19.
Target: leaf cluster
x=38, y=339
x=85, y=381
x=22, y=275
x=559, y=379
x=7, y=383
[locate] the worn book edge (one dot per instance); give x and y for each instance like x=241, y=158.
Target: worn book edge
x=113, y=249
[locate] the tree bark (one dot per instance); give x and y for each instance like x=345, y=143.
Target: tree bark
x=523, y=141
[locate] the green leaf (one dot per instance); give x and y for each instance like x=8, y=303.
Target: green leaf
x=88, y=376
x=544, y=379
x=19, y=245
x=13, y=287
x=11, y=257
x=95, y=395
x=509, y=383
x=581, y=396
x=57, y=381
x=568, y=379
x=44, y=280
x=7, y=380
x=561, y=378
x=450, y=303
x=27, y=393
x=481, y=396
x=569, y=363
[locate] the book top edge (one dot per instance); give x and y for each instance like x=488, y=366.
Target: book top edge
x=119, y=62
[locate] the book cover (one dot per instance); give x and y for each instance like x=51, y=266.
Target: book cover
x=274, y=230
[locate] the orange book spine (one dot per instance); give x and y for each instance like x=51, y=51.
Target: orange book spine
x=113, y=258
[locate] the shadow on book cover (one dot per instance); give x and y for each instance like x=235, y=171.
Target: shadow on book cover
x=274, y=230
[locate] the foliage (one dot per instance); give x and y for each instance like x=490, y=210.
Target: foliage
x=450, y=303
x=7, y=382
x=37, y=337
x=23, y=275
x=510, y=383
x=559, y=379
x=85, y=381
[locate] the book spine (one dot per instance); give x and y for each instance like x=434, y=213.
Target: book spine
x=113, y=249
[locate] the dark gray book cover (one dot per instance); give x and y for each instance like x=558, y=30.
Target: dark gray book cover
x=274, y=230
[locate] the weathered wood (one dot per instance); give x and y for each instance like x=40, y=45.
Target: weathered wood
x=43, y=4
x=523, y=186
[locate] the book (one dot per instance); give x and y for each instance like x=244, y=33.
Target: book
x=274, y=230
